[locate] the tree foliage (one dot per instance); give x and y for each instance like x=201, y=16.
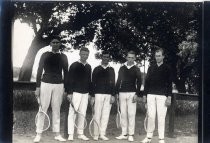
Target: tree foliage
x=117, y=28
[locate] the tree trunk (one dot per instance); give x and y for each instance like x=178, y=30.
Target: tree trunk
x=26, y=69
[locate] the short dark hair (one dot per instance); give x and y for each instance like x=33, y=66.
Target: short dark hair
x=160, y=50
x=55, y=37
x=84, y=49
x=105, y=53
x=131, y=52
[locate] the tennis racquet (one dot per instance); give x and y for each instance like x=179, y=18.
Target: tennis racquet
x=42, y=116
x=146, y=119
x=118, y=116
x=78, y=115
x=94, y=128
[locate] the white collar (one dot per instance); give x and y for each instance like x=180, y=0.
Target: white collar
x=82, y=63
x=105, y=66
x=55, y=52
x=126, y=64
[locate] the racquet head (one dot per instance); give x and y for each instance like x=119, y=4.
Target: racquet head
x=146, y=121
x=79, y=116
x=42, y=117
x=118, y=116
x=94, y=128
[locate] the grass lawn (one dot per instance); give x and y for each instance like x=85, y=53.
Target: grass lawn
x=185, y=128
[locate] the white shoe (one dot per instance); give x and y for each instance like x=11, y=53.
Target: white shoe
x=122, y=137
x=161, y=141
x=60, y=138
x=83, y=137
x=95, y=138
x=104, y=138
x=71, y=138
x=130, y=138
x=146, y=140
x=37, y=138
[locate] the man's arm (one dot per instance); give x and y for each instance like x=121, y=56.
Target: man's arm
x=65, y=70
x=70, y=80
x=112, y=81
x=147, y=84
x=94, y=77
x=119, y=80
x=139, y=81
x=39, y=74
x=90, y=81
x=40, y=69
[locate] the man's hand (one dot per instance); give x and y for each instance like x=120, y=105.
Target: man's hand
x=168, y=101
x=135, y=98
x=112, y=100
x=92, y=101
x=145, y=106
x=64, y=94
x=117, y=96
x=37, y=92
x=69, y=97
x=144, y=100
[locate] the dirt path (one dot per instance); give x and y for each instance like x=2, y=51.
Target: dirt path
x=49, y=139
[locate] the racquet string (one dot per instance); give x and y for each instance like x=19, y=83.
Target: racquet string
x=118, y=116
x=146, y=122
x=80, y=121
x=44, y=121
x=94, y=129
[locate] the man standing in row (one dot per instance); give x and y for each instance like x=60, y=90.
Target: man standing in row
x=79, y=88
x=50, y=86
x=103, y=81
x=157, y=93
x=128, y=86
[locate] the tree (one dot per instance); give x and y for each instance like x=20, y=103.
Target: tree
x=117, y=28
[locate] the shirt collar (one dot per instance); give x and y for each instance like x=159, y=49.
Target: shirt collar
x=82, y=63
x=126, y=64
x=105, y=66
x=59, y=52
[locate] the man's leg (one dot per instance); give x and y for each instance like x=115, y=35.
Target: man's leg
x=105, y=114
x=124, y=112
x=45, y=98
x=56, y=101
x=82, y=108
x=76, y=98
x=161, y=114
x=131, y=114
x=151, y=110
x=99, y=98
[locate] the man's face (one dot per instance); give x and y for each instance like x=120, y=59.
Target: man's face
x=159, y=56
x=105, y=59
x=55, y=44
x=84, y=55
x=131, y=58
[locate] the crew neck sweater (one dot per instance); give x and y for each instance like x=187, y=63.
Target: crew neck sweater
x=158, y=80
x=129, y=80
x=79, y=78
x=103, y=80
x=53, y=64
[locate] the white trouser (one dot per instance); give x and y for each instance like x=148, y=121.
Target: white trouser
x=80, y=102
x=102, y=110
x=128, y=112
x=50, y=93
x=156, y=102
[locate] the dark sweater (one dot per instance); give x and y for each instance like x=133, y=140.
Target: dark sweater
x=79, y=78
x=103, y=80
x=53, y=64
x=129, y=80
x=158, y=80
